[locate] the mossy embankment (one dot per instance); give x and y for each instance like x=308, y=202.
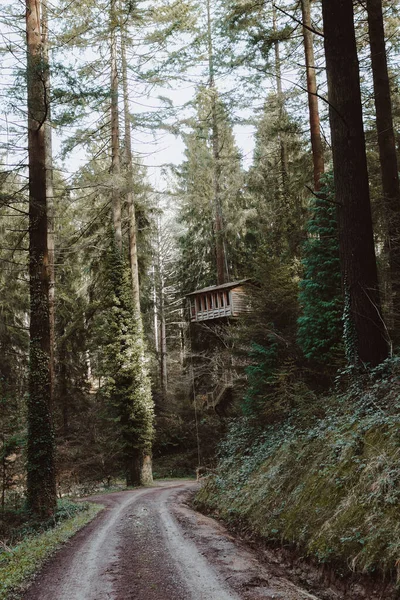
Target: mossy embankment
x=327, y=487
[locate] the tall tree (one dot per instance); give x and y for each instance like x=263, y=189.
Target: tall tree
x=197, y=192
x=281, y=104
x=368, y=343
x=319, y=333
x=222, y=275
x=115, y=139
x=131, y=394
x=387, y=150
x=316, y=140
x=41, y=484
x=277, y=221
x=49, y=191
x=128, y=164
x=146, y=476
x=160, y=256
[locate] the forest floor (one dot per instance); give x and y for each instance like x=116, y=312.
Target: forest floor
x=148, y=544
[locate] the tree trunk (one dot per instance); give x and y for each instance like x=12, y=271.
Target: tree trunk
x=146, y=474
x=62, y=387
x=387, y=151
x=163, y=344
x=129, y=175
x=134, y=470
x=139, y=470
x=316, y=141
x=155, y=310
x=281, y=106
x=115, y=157
x=159, y=315
x=49, y=195
x=358, y=263
x=215, y=141
x=41, y=481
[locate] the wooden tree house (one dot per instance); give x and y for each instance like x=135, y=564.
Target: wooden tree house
x=219, y=301
x=212, y=310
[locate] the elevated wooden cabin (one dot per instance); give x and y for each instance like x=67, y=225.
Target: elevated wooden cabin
x=219, y=301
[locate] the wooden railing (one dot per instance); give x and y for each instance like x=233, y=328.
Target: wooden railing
x=212, y=313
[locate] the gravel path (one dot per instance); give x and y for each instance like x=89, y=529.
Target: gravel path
x=149, y=545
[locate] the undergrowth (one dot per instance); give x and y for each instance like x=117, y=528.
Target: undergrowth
x=37, y=542
x=328, y=486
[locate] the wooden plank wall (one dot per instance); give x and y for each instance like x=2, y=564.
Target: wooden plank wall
x=240, y=301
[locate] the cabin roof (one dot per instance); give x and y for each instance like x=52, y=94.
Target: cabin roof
x=214, y=288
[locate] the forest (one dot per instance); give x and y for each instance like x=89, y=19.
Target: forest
x=200, y=266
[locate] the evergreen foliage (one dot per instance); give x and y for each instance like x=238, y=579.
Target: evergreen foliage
x=321, y=300
x=269, y=333
x=197, y=264
x=260, y=375
x=127, y=384
x=278, y=208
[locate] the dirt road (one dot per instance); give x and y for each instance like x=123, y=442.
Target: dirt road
x=149, y=545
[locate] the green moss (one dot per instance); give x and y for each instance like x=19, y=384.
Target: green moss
x=18, y=564
x=333, y=490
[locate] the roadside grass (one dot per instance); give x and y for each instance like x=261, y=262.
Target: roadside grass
x=19, y=563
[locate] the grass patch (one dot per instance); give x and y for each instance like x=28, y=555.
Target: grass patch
x=18, y=564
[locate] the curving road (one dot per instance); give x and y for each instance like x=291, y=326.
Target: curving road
x=149, y=545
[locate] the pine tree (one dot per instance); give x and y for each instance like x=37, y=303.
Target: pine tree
x=41, y=483
x=197, y=192
x=311, y=70
x=278, y=219
x=320, y=330
x=127, y=382
x=387, y=152
x=357, y=252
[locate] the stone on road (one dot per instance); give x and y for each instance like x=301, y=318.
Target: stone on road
x=149, y=545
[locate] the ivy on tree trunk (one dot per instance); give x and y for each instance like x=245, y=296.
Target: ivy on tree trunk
x=41, y=485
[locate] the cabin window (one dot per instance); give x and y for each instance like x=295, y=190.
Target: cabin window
x=227, y=298
x=209, y=298
x=193, y=308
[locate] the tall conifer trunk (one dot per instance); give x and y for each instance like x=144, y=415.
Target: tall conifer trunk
x=387, y=152
x=41, y=482
x=145, y=476
x=115, y=140
x=131, y=456
x=215, y=141
x=368, y=343
x=281, y=106
x=161, y=318
x=129, y=176
x=49, y=193
x=316, y=141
